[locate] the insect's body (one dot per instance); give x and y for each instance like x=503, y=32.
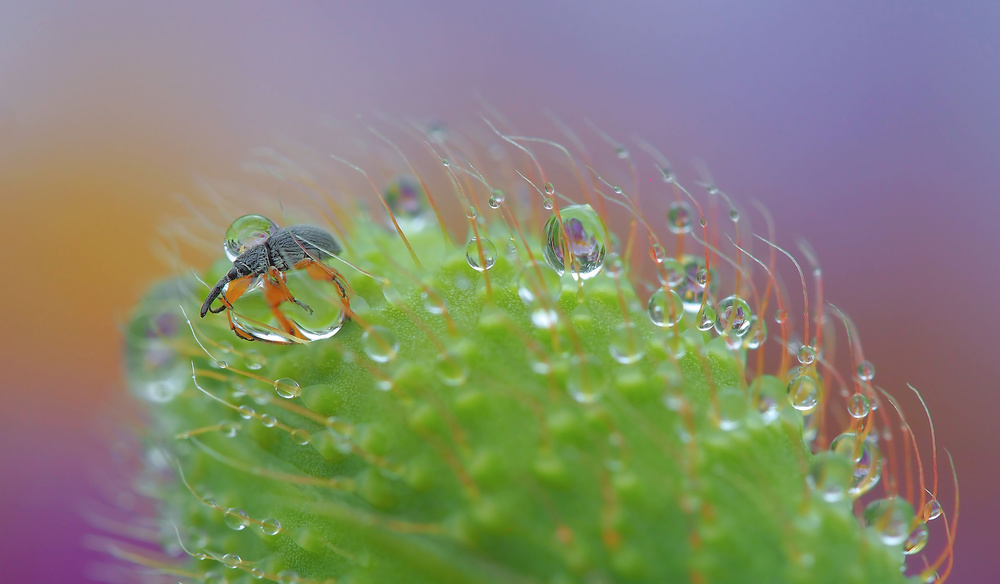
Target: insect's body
x=281, y=250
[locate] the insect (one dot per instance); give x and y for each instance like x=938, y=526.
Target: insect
x=269, y=256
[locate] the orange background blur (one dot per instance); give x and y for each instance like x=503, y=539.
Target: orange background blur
x=873, y=131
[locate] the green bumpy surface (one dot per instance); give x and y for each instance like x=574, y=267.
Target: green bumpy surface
x=464, y=457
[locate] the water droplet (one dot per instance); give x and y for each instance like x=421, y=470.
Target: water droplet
x=246, y=232
x=203, y=556
x=671, y=273
x=626, y=343
x=253, y=360
x=866, y=371
x=586, y=380
x=659, y=254
x=550, y=189
x=257, y=573
x=676, y=346
x=511, y=246
x=613, y=265
x=379, y=344
x=452, y=369
x=803, y=393
x=288, y=577
x=866, y=459
x=780, y=316
x=211, y=502
x=734, y=214
x=617, y=190
x=405, y=198
x=287, y=388
x=161, y=391
x=496, y=199
x=891, y=519
x=679, y=217
x=701, y=277
x=232, y=561
x=806, y=355
x=544, y=318
x=733, y=342
x=932, y=510
x=268, y=421
x=445, y=162
x=665, y=308
x=300, y=436
x=768, y=408
x=270, y=526
x=733, y=316
x=705, y=319
x=917, y=540
x=830, y=476
x=547, y=204
x=229, y=429
x=858, y=406
x=481, y=254
x=732, y=404
x=583, y=243
x=758, y=334
x=237, y=519
x=621, y=152
x=220, y=364
x=432, y=302
x=538, y=284
x=246, y=412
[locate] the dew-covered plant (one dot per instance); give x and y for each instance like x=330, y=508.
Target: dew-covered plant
x=492, y=364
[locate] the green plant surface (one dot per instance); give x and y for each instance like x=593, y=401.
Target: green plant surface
x=526, y=422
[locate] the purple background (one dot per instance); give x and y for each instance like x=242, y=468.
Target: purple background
x=872, y=130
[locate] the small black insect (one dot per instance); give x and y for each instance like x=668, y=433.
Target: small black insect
x=299, y=247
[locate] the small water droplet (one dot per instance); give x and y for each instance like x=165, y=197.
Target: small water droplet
x=538, y=283
x=432, y=303
x=270, y=526
x=676, y=346
x=671, y=273
x=617, y=190
x=220, y=364
x=511, y=246
x=732, y=404
x=733, y=316
x=288, y=577
x=586, y=380
x=547, y=204
x=379, y=344
x=932, y=510
x=679, y=217
x=232, y=561
x=445, y=162
x=803, y=393
x=701, y=278
x=253, y=360
x=830, y=476
x=583, y=243
x=659, y=254
x=621, y=152
x=496, y=199
x=858, y=406
x=758, y=334
x=544, y=318
x=287, y=388
x=734, y=214
x=405, y=198
x=705, y=319
x=866, y=371
x=237, y=519
x=626, y=343
x=613, y=265
x=481, y=254
x=229, y=429
x=550, y=189
x=780, y=316
x=768, y=408
x=246, y=412
x=211, y=502
x=257, y=573
x=452, y=369
x=300, y=436
x=268, y=421
x=665, y=308
x=891, y=519
x=806, y=355
x=917, y=540
x=246, y=232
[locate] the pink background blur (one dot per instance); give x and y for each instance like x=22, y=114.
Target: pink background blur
x=872, y=130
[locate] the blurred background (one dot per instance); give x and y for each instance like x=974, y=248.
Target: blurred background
x=873, y=129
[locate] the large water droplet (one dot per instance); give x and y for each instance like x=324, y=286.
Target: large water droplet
x=758, y=334
x=379, y=344
x=803, y=393
x=806, y=355
x=232, y=561
x=452, y=369
x=246, y=232
x=932, y=510
x=665, y=308
x=830, y=476
x=481, y=254
x=268, y=421
x=866, y=371
x=705, y=319
x=626, y=343
x=237, y=519
x=917, y=540
x=679, y=217
x=891, y=519
x=583, y=243
x=287, y=388
x=866, y=458
x=270, y=526
x=858, y=406
x=733, y=316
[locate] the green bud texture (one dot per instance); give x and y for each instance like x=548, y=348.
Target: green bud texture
x=556, y=387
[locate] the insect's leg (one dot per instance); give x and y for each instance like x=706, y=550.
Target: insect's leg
x=233, y=291
x=277, y=279
x=276, y=292
x=239, y=332
x=324, y=273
